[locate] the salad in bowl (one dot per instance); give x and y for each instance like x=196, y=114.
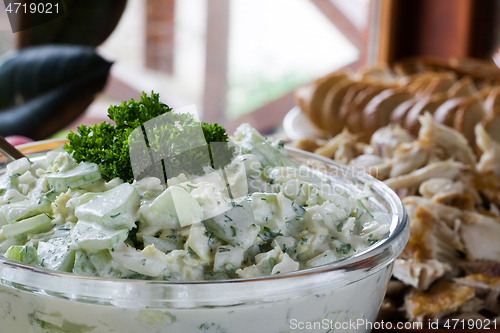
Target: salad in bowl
x=161, y=223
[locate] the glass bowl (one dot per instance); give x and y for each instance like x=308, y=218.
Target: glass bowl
x=342, y=296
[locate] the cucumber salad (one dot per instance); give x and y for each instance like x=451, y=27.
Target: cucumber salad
x=260, y=215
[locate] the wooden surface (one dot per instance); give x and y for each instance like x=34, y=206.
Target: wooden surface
x=214, y=103
x=441, y=28
x=160, y=32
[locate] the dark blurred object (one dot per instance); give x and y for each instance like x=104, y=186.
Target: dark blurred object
x=45, y=88
x=89, y=22
x=438, y=28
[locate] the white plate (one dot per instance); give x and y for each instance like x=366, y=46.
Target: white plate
x=297, y=126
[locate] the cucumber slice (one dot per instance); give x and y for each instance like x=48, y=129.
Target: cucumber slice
x=83, y=265
x=164, y=245
x=150, y=261
x=179, y=204
x=24, y=209
x=32, y=225
x=92, y=237
x=9, y=183
x=56, y=254
x=84, y=173
x=19, y=166
x=114, y=209
x=25, y=254
x=236, y=226
x=105, y=267
x=228, y=258
x=273, y=210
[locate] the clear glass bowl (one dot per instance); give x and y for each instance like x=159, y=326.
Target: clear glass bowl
x=341, y=296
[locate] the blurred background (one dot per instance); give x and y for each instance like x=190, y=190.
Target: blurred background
x=240, y=61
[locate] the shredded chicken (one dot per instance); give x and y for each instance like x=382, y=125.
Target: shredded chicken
x=447, y=169
x=452, y=202
x=480, y=235
x=443, y=298
x=432, y=238
x=306, y=144
x=450, y=140
x=490, y=267
x=449, y=192
x=419, y=274
x=485, y=287
x=374, y=165
x=407, y=158
x=386, y=139
x=344, y=142
x=490, y=159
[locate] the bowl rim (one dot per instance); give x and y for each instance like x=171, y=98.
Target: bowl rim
x=398, y=237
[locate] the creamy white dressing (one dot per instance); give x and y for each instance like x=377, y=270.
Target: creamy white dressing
x=257, y=217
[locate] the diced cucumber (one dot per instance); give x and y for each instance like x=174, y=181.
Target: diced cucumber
x=164, y=245
x=83, y=265
x=19, y=166
x=115, y=209
x=150, y=261
x=25, y=254
x=273, y=210
x=198, y=241
x=228, y=258
x=56, y=254
x=178, y=203
x=236, y=226
x=3, y=221
x=324, y=258
x=104, y=265
x=92, y=237
x=24, y=209
x=32, y=225
x=84, y=173
x=9, y=183
x=269, y=156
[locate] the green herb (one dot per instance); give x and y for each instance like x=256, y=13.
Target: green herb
x=52, y=190
x=371, y=240
x=224, y=249
x=300, y=188
x=272, y=262
x=344, y=249
x=108, y=145
x=340, y=225
x=143, y=262
x=364, y=207
x=268, y=234
x=113, y=216
x=228, y=218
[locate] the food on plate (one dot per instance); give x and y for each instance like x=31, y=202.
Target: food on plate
x=455, y=93
x=450, y=266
